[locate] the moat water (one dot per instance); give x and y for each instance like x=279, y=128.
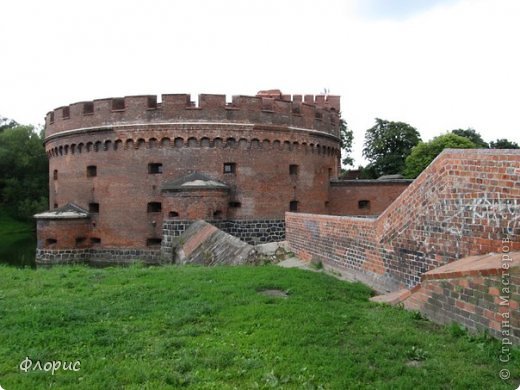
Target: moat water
x=18, y=249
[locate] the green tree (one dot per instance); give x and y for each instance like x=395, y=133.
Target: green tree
x=503, y=143
x=6, y=123
x=473, y=136
x=346, y=137
x=387, y=144
x=23, y=172
x=425, y=152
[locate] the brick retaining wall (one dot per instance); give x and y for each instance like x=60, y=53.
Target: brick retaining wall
x=463, y=204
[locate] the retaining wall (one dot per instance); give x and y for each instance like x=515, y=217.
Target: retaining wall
x=463, y=204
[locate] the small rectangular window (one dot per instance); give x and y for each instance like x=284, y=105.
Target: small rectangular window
x=51, y=117
x=154, y=168
x=80, y=241
x=152, y=102
x=234, y=205
x=66, y=112
x=364, y=204
x=95, y=240
x=88, y=108
x=154, y=207
x=50, y=241
x=153, y=242
x=230, y=167
x=293, y=206
x=55, y=175
x=118, y=104
x=293, y=169
x=91, y=171
x=93, y=207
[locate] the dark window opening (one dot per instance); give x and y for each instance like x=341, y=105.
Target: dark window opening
x=293, y=169
x=230, y=167
x=330, y=173
x=327, y=204
x=66, y=112
x=153, y=241
x=55, y=174
x=154, y=207
x=55, y=205
x=91, y=171
x=318, y=115
x=364, y=204
x=88, y=108
x=95, y=240
x=152, y=102
x=293, y=205
x=51, y=117
x=80, y=240
x=154, y=168
x=217, y=214
x=118, y=104
x=93, y=207
x=234, y=204
x=173, y=214
x=50, y=241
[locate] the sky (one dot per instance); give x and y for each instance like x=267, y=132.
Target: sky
x=437, y=65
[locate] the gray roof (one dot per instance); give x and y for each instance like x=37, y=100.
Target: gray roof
x=69, y=211
x=192, y=182
x=391, y=177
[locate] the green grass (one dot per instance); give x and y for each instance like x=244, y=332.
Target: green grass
x=9, y=225
x=209, y=328
x=17, y=241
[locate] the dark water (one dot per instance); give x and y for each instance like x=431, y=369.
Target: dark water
x=18, y=249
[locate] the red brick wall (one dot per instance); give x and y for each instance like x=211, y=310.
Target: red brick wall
x=314, y=112
x=463, y=204
x=263, y=137
x=475, y=295
x=196, y=204
x=344, y=195
x=65, y=232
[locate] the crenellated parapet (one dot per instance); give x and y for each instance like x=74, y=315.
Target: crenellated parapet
x=320, y=112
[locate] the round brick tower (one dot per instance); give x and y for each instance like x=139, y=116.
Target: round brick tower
x=121, y=167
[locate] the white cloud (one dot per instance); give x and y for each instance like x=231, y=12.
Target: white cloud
x=454, y=65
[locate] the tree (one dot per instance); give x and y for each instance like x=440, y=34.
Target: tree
x=425, y=152
x=503, y=143
x=387, y=144
x=473, y=136
x=346, y=137
x=23, y=172
x=6, y=123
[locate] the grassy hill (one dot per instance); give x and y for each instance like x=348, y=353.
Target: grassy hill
x=215, y=328
x=9, y=225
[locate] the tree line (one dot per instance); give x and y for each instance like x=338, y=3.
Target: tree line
x=397, y=148
x=24, y=185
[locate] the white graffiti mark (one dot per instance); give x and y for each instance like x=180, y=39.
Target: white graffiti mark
x=490, y=215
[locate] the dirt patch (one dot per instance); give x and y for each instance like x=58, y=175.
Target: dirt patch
x=273, y=292
x=414, y=363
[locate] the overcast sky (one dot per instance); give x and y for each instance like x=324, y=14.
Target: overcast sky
x=437, y=65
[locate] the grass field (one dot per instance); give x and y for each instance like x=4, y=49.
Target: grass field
x=9, y=225
x=17, y=241
x=170, y=327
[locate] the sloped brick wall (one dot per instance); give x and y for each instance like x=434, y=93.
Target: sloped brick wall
x=463, y=204
x=480, y=298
